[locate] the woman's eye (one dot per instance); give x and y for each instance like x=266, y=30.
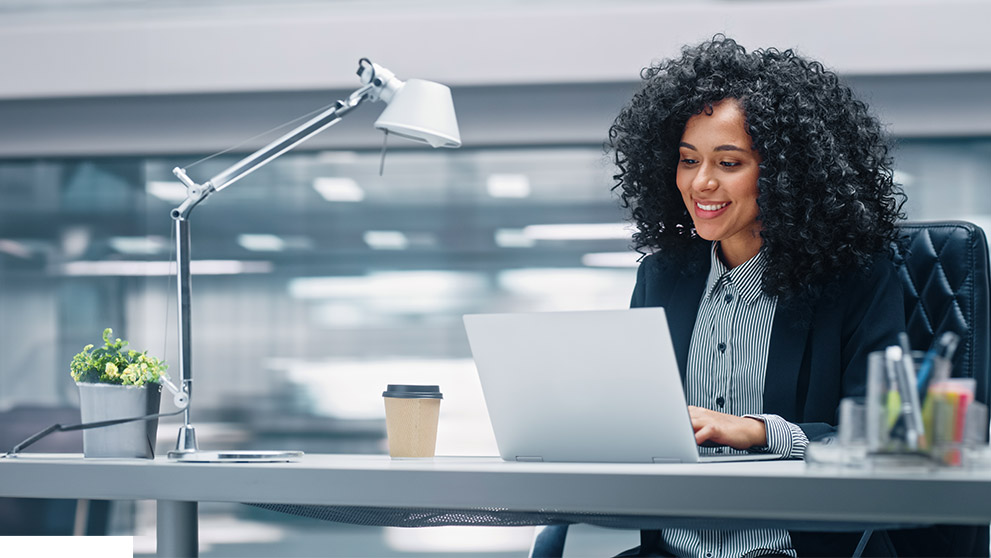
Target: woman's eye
x=688, y=161
x=729, y=164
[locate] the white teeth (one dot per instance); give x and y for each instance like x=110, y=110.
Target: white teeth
x=711, y=207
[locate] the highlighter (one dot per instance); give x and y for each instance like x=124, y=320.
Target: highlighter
x=893, y=400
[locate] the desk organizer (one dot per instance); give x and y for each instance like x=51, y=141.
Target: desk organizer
x=833, y=454
x=914, y=415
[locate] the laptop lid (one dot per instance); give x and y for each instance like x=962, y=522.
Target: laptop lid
x=584, y=386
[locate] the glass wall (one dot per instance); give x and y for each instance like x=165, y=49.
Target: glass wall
x=316, y=281
x=946, y=179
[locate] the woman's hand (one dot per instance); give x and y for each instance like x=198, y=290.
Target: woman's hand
x=727, y=430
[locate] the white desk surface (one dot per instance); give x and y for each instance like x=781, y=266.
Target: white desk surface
x=776, y=490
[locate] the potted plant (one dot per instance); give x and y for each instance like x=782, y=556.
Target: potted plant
x=116, y=382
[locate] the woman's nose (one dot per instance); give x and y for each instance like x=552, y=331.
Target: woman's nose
x=705, y=181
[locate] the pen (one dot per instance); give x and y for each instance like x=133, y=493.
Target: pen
x=943, y=347
x=904, y=343
x=915, y=407
x=911, y=411
x=948, y=343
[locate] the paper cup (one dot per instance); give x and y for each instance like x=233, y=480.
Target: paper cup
x=411, y=414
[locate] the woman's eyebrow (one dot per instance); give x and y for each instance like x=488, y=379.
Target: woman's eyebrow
x=729, y=147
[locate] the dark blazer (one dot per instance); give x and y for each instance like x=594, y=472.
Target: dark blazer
x=813, y=361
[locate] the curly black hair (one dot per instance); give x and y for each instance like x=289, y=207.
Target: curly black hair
x=827, y=201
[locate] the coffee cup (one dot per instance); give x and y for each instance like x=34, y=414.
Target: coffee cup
x=411, y=415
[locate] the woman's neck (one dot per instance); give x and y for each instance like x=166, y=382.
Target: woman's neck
x=734, y=255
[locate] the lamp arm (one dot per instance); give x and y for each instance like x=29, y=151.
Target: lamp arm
x=378, y=84
x=195, y=193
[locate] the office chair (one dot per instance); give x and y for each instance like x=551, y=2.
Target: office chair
x=944, y=270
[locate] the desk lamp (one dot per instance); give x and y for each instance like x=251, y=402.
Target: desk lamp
x=416, y=109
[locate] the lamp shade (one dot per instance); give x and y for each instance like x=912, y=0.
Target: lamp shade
x=422, y=111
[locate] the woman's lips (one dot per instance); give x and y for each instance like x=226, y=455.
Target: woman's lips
x=708, y=210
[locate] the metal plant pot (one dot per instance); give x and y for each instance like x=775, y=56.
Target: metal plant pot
x=99, y=402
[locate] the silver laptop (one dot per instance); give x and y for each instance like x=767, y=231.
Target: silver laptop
x=588, y=386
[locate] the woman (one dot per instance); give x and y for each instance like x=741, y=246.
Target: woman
x=763, y=191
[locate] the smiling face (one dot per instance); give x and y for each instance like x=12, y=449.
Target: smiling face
x=717, y=176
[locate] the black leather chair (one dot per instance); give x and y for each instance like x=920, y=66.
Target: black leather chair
x=944, y=270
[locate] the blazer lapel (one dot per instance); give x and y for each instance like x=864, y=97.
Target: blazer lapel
x=784, y=361
x=682, y=309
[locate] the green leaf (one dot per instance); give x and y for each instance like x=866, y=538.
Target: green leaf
x=89, y=365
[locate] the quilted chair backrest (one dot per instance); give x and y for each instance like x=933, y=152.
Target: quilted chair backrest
x=944, y=270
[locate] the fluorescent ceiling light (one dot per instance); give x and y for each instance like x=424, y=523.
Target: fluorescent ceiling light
x=418, y=305
x=563, y=281
x=166, y=190
x=161, y=268
x=343, y=315
x=386, y=240
x=579, y=231
x=339, y=189
x=14, y=248
x=391, y=284
x=513, y=238
x=508, y=185
x=261, y=242
x=138, y=245
x=611, y=259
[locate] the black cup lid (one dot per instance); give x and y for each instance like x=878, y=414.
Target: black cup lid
x=413, y=392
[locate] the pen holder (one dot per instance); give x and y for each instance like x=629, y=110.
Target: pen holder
x=920, y=410
x=913, y=416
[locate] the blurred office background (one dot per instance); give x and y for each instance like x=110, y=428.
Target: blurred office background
x=315, y=280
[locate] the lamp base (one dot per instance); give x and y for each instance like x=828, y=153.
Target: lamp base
x=236, y=456
x=186, y=442
x=186, y=450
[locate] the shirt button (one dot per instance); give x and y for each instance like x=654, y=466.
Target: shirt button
x=720, y=401
x=721, y=347
x=729, y=298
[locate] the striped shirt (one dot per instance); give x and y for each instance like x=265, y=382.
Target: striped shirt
x=727, y=362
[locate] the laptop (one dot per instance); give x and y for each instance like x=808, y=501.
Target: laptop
x=585, y=386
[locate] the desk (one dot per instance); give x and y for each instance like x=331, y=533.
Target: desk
x=778, y=492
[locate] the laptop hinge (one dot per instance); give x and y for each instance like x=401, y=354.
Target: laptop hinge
x=528, y=458
x=665, y=460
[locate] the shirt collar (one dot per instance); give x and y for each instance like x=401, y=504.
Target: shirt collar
x=746, y=277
